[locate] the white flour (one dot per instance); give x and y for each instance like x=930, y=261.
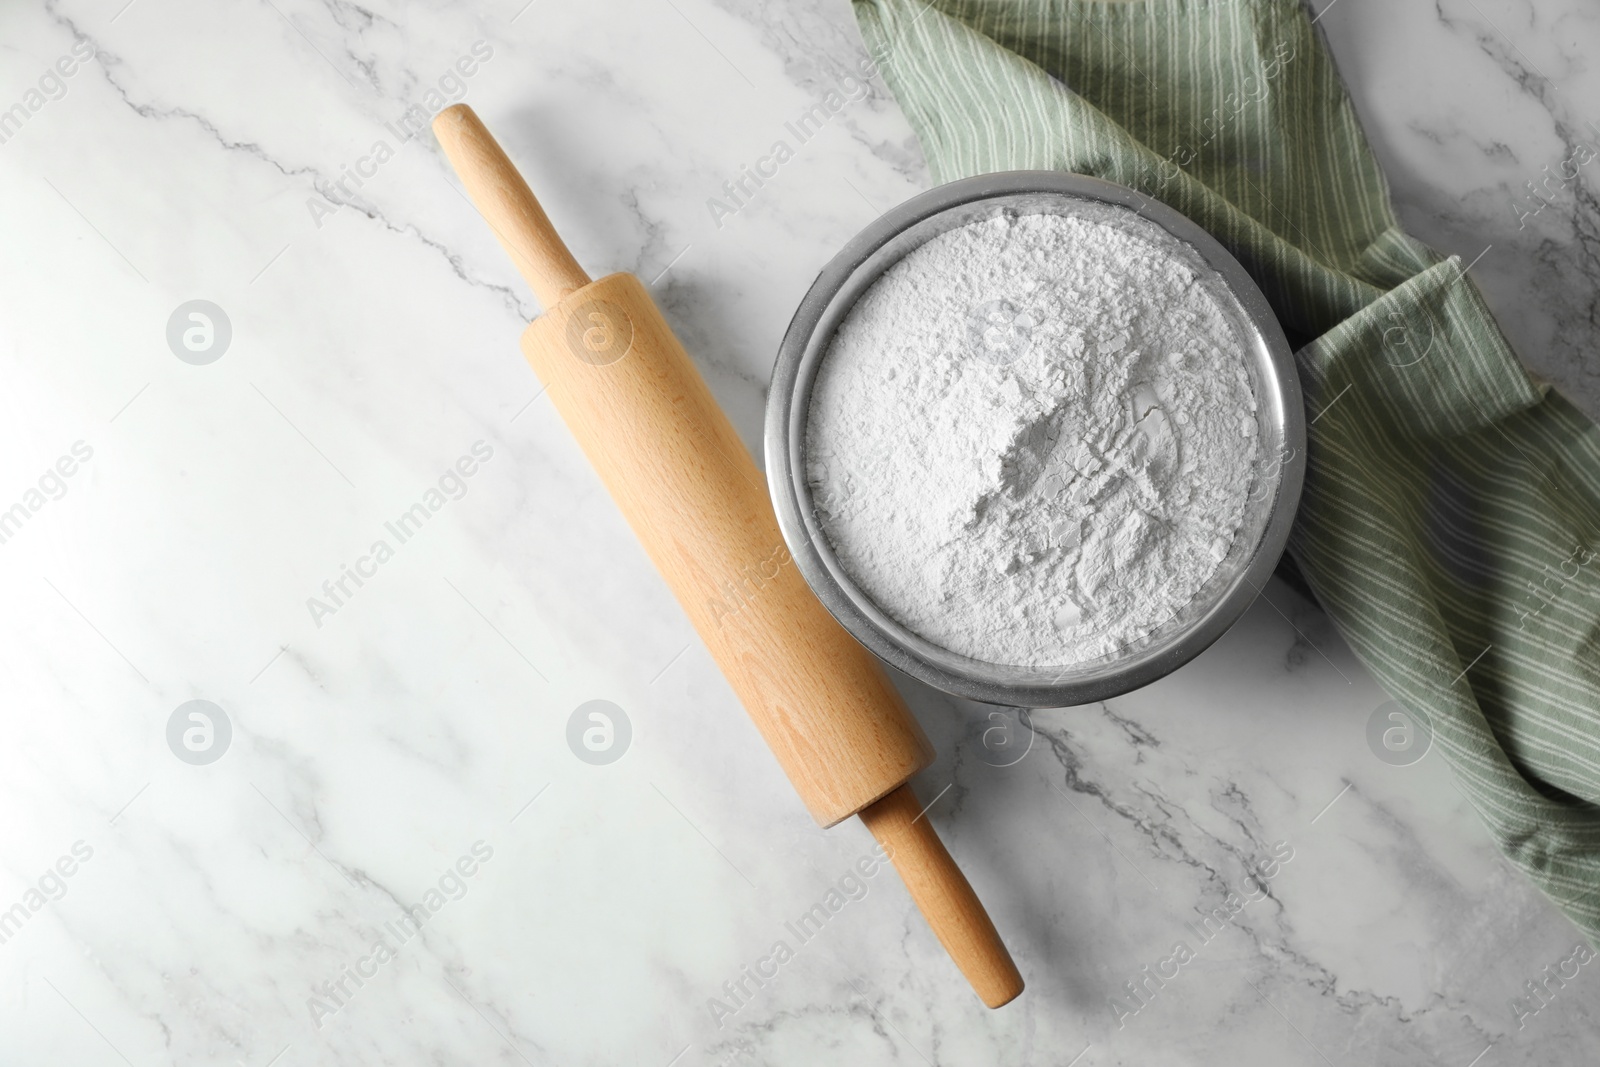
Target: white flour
x=1031, y=440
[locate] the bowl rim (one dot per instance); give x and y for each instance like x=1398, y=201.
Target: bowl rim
x=784, y=444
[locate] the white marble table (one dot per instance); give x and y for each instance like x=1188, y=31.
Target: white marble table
x=226, y=912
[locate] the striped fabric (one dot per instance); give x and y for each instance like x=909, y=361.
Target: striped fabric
x=1451, y=505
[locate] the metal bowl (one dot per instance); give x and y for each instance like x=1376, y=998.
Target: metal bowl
x=1272, y=499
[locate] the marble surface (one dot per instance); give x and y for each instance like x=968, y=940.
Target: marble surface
x=417, y=725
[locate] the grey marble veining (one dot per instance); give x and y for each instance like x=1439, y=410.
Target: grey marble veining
x=1482, y=117
x=417, y=729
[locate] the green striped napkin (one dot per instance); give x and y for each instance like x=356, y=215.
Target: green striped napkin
x=1451, y=508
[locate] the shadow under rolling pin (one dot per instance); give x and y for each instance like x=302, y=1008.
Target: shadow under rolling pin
x=689, y=489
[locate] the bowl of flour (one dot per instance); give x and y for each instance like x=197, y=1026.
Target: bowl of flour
x=1035, y=439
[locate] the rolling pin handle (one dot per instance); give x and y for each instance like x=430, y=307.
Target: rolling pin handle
x=508, y=206
x=944, y=895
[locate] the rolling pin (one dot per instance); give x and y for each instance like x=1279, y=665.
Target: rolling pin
x=697, y=502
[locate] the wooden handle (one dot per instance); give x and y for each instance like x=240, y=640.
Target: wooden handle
x=508, y=205
x=944, y=896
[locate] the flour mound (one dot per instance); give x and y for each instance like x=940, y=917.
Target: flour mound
x=1032, y=439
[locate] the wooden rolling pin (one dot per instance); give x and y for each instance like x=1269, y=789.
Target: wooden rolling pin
x=688, y=487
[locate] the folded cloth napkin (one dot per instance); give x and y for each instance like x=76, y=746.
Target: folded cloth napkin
x=1451, y=507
